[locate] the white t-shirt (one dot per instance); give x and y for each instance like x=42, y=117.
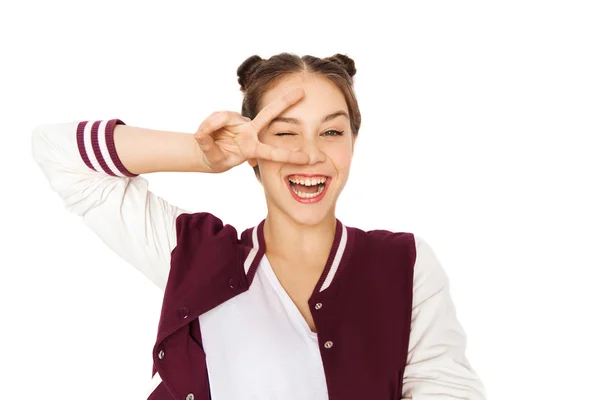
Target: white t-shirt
x=259, y=346
x=266, y=325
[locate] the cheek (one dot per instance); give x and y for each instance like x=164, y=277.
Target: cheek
x=341, y=157
x=268, y=169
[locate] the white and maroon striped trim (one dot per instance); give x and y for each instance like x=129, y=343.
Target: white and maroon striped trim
x=95, y=140
x=253, y=251
x=336, y=260
x=257, y=251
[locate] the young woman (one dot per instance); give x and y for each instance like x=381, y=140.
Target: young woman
x=299, y=306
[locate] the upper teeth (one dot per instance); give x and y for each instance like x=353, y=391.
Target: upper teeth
x=308, y=181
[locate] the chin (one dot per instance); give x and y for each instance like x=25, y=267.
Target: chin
x=308, y=218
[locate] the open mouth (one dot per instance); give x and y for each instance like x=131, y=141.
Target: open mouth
x=309, y=187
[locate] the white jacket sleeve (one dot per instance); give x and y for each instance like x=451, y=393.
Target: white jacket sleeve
x=437, y=367
x=81, y=164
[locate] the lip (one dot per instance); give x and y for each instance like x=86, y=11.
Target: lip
x=307, y=175
x=313, y=199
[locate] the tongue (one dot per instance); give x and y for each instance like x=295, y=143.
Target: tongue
x=306, y=189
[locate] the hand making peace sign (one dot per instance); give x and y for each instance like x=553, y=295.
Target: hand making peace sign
x=228, y=139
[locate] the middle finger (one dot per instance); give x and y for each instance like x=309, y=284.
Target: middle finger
x=275, y=108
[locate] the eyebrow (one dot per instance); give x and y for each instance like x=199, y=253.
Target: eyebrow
x=325, y=118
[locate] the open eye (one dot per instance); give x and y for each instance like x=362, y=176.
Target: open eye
x=335, y=133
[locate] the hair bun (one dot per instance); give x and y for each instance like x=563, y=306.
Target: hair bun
x=346, y=62
x=246, y=69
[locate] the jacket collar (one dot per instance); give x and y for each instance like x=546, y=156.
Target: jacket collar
x=233, y=265
x=254, y=240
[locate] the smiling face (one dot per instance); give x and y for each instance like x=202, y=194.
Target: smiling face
x=318, y=125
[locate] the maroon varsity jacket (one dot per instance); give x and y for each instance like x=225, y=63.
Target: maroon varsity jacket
x=362, y=310
x=361, y=306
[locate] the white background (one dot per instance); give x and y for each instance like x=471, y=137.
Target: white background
x=481, y=123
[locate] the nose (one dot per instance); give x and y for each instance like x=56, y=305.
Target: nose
x=314, y=152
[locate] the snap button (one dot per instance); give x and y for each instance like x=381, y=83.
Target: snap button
x=328, y=344
x=161, y=354
x=234, y=283
x=318, y=306
x=184, y=312
x=190, y=396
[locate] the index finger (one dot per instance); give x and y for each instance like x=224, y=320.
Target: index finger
x=275, y=108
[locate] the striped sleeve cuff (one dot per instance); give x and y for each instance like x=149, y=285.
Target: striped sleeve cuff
x=95, y=140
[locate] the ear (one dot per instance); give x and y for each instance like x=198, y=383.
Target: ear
x=253, y=162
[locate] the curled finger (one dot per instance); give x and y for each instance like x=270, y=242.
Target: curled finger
x=214, y=121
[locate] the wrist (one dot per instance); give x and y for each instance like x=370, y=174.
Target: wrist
x=199, y=162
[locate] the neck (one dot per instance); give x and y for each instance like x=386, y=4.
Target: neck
x=302, y=244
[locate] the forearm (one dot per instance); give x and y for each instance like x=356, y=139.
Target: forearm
x=81, y=162
x=143, y=150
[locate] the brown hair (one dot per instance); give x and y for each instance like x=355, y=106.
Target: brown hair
x=257, y=75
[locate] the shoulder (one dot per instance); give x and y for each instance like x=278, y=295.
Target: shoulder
x=406, y=245
x=198, y=226
x=430, y=276
x=390, y=255
x=402, y=253
x=382, y=240
x=205, y=221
